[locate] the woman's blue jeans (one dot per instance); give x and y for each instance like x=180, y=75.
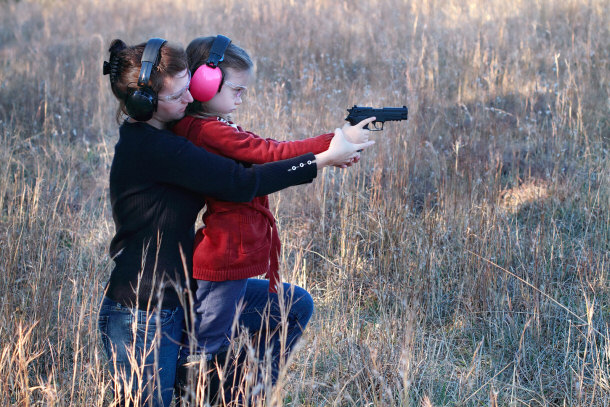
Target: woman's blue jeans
x=262, y=313
x=142, y=349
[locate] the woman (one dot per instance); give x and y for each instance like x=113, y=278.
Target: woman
x=157, y=186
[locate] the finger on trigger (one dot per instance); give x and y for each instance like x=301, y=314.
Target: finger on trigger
x=366, y=121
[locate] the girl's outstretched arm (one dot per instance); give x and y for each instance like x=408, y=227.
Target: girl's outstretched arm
x=233, y=142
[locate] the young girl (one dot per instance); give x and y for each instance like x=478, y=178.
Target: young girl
x=240, y=240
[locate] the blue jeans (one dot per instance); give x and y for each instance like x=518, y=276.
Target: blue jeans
x=261, y=313
x=142, y=350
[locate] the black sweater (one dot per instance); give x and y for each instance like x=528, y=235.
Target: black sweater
x=157, y=185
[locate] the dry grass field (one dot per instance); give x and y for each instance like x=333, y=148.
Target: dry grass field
x=465, y=261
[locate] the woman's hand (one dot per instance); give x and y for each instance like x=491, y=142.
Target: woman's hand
x=357, y=133
x=341, y=152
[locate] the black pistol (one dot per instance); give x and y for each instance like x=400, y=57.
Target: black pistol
x=359, y=113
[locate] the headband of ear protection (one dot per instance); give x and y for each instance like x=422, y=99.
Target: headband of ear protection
x=142, y=102
x=208, y=78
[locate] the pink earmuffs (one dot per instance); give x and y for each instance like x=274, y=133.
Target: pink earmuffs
x=205, y=83
x=207, y=79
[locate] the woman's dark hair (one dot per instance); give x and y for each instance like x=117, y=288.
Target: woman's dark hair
x=198, y=52
x=125, y=64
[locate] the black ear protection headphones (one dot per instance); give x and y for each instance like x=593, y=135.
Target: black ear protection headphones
x=142, y=102
x=207, y=80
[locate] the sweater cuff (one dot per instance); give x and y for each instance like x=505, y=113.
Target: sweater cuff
x=284, y=173
x=303, y=168
x=328, y=137
x=303, y=163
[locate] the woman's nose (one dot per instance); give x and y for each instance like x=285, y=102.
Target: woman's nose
x=189, y=97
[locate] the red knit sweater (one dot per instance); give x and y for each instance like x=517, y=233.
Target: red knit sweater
x=240, y=240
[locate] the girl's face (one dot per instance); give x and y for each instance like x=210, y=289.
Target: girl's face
x=234, y=87
x=173, y=99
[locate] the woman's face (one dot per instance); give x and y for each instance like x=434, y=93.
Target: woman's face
x=230, y=96
x=173, y=99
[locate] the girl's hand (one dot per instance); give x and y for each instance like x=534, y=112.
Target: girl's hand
x=341, y=152
x=357, y=133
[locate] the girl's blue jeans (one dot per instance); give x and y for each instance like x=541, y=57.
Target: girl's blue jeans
x=142, y=349
x=261, y=313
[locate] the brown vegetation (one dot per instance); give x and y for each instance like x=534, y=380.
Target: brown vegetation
x=464, y=261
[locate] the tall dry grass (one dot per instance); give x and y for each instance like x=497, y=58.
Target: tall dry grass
x=464, y=261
